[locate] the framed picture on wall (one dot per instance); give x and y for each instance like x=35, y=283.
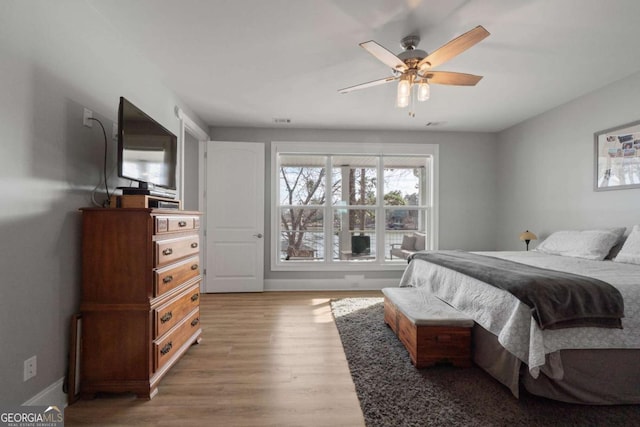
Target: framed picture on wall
x=617, y=157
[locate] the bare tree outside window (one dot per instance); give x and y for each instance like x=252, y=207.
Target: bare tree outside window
x=302, y=186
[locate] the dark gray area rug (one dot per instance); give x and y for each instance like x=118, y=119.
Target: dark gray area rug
x=392, y=392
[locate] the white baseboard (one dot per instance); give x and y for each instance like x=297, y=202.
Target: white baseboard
x=50, y=396
x=350, y=283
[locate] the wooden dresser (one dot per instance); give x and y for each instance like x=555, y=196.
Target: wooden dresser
x=140, y=296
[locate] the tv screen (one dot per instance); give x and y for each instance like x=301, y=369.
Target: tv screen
x=147, y=152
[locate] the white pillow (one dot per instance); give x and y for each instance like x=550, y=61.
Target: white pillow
x=630, y=252
x=588, y=244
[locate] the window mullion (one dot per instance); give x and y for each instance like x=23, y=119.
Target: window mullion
x=344, y=238
x=380, y=214
x=328, y=212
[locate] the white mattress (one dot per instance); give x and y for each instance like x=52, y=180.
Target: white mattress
x=510, y=320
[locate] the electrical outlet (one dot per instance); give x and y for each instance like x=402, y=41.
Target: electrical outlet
x=88, y=114
x=30, y=368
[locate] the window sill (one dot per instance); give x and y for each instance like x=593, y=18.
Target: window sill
x=339, y=266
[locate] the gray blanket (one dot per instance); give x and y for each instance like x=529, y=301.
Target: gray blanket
x=557, y=299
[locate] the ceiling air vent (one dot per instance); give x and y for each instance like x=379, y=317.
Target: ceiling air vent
x=281, y=121
x=433, y=124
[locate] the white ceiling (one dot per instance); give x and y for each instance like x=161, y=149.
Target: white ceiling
x=246, y=62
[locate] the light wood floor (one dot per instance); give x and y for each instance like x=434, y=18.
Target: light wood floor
x=268, y=359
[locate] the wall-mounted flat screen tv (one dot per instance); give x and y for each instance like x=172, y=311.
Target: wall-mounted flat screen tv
x=147, y=151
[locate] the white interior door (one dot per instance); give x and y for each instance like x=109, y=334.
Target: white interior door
x=234, y=217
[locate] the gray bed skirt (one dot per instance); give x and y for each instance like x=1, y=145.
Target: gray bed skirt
x=595, y=377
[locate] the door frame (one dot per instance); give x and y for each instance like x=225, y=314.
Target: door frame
x=188, y=125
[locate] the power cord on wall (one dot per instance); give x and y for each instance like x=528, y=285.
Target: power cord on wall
x=106, y=186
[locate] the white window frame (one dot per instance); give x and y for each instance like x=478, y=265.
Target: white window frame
x=356, y=149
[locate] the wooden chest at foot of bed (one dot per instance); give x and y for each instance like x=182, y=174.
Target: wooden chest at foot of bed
x=428, y=345
x=391, y=315
x=431, y=330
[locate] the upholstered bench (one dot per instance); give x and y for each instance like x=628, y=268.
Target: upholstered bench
x=431, y=330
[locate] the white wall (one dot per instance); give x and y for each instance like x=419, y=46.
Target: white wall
x=467, y=183
x=56, y=57
x=546, y=169
x=191, y=174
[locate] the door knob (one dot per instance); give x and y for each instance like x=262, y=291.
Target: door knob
x=259, y=235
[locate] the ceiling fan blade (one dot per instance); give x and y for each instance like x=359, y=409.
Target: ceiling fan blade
x=368, y=84
x=453, y=48
x=451, y=78
x=384, y=55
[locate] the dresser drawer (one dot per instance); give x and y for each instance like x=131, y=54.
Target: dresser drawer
x=171, y=250
x=173, y=223
x=174, y=275
x=168, y=345
x=171, y=313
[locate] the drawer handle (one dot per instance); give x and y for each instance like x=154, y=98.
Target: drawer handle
x=194, y=267
x=443, y=338
x=166, y=317
x=194, y=245
x=167, y=251
x=195, y=321
x=167, y=348
x=195, y=297
x=182, y=224
x=167, y=279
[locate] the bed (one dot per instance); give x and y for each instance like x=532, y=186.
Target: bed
x=590, y=365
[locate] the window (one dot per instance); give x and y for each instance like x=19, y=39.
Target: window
x=341, y=207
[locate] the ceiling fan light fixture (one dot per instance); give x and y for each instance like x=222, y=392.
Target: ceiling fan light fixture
x=404, y=88
x=424, y=91
x=402, y=101
x=404, y=92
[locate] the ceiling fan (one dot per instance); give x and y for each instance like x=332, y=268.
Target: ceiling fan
x=413, y=67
